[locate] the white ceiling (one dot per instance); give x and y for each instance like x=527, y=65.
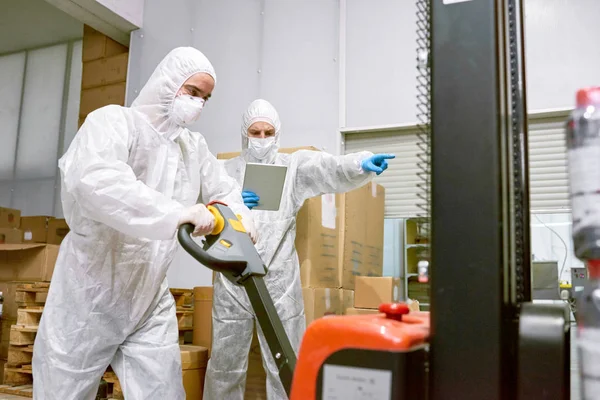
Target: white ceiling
x=26, y=24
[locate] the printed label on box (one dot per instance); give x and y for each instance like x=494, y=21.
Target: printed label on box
x=343, y=383
x=328, y=211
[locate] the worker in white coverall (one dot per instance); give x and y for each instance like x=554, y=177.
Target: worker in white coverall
x=130, y=178
x=309, y=174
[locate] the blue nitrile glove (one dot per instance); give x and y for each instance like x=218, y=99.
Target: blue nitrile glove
x=376, y=163
x=251, y=199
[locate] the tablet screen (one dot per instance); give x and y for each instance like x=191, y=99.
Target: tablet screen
x=266, y=180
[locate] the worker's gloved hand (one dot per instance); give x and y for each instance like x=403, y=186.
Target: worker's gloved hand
x=199, y=216
x=376, y=163
x=248, y=223
x=251, y=199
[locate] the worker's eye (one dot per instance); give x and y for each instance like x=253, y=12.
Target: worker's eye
x=192, y=91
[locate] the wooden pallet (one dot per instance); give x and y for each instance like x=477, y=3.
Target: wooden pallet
x=18, y=376
x=22, y=335
x=184, y=301
x=20, y=390
x=185, y=336
x=31, y=294
x=184, y=298
x=185, y=320
x=19, y=356
x=30, y=298
x=114, y=391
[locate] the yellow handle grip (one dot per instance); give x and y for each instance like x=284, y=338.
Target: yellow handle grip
x=219, y=220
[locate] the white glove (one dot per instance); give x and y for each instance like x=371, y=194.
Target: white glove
x=248, y=223
x=199, y=216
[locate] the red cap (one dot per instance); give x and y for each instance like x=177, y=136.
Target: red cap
x=588, y=96
x=394, y=310
x=593, y=267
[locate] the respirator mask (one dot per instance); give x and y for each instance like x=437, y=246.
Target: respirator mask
x=186, y=109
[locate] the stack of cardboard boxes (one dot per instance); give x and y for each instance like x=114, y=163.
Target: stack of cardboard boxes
x=104, y=72
x=27, y=254
x=356, y=251
x=15, y=229
x=10, y=221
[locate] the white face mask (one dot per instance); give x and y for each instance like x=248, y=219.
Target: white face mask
x=186, y=109
x=261, y=148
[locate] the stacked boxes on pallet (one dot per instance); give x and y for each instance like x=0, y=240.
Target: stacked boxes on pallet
x=26, y=267
x=338, y=237
x=104, y=72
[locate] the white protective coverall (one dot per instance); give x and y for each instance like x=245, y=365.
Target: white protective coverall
x=126, y=178
x=309, y=174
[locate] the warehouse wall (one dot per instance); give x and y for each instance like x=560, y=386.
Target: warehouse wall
x=263, y=48
x=352, y=65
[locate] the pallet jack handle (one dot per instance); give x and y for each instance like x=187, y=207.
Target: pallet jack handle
x=242, y=271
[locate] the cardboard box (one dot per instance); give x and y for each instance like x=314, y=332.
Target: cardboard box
x=317, y=241
x=35, y=229
x=11, y=236
x=374, y=232
x=347, y=299
x=57, y=230
x=256, y=385
x=319, y=302
x=361, y=311
x=10, y=218
x=352, y=246
x=96, y=45
x=193, y=363
x=371, y=292
x=27, y=262
x=361, y=234
x=104, y=71
x=203, y=317
x=95, y=98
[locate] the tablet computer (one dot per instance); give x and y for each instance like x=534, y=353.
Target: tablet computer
x=266, y=180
